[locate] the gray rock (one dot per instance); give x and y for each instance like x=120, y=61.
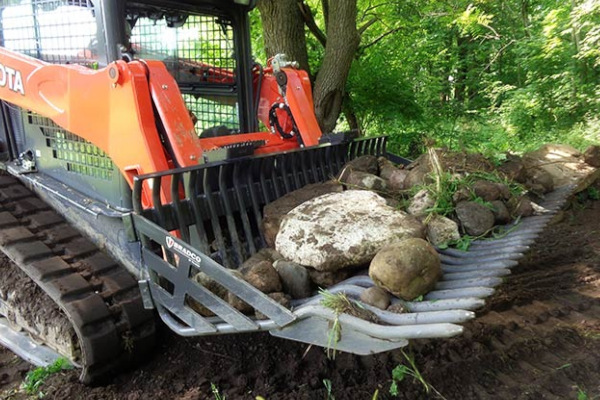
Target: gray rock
x=341, y=230
x=263, y=277
x=420, y=203
x=592, y=156
x=295, y=279
x=325, y=279
x=275, y=212
x=211, y=285
x=476, y=219
x=501, y=213
x=366, y=164
x=514, y=169
x=490, y=191
x=540, y=180
x=238, y=303
x=522, y=207
x=419, y=175
x=408, y=268
x=462, y=194
x=364, y=180
x=442, y=230
x=235, y=301
x=279, y=297
x=266, y=254
x=376, y=297
x=395, y=176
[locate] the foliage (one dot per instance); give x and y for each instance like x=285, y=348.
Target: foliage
x=215, y=391
x=329, y=388
x=483, y=75
x=36, y=378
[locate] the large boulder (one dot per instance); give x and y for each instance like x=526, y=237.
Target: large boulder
x=408, y=268
x=275, y=211
x=341, y=230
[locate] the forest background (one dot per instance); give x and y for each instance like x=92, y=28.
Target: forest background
x=481, y=75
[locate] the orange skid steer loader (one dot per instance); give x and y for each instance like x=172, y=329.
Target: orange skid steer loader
x=129, y=136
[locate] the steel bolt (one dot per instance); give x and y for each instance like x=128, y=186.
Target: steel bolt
x=165, y=87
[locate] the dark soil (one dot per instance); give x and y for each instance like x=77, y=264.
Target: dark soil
x=538, y=338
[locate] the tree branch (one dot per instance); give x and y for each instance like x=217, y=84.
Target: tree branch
x=366, y=26
x=325, y=5
x=380, y=38
x=310, y=22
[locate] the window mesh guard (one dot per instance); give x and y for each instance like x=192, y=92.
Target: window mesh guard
x=55, y=31
x=199, y=54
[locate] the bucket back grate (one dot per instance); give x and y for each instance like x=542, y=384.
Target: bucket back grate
x=217, y=207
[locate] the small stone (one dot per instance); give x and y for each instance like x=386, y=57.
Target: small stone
x=325, y=279
x=294, y=278
x=441, y=230
x=522, y=207
x=541, y=180
x=264, y=277
x=376, y=297
x=487, y=190
x=476, y=219
x=210, y=284
x=266, y=254
x=420, y=203
x=279, y=297
x=514, y=169
x=395, y=176
x=238, y=303
x=366, y=164
x=397, y=308
x=408, y=269
x=501, y=213
x=364, y=180
x=592, y=156
x=462, y=194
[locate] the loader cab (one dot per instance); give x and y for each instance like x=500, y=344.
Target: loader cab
x=205, y=45
x=206, y=48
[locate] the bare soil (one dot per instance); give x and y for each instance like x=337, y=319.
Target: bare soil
x=537, y=338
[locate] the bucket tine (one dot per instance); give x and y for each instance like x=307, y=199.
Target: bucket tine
x=193, y=196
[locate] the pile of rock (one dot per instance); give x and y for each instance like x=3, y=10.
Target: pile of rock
x=324, y=233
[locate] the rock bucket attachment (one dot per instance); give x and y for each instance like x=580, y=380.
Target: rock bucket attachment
x=214, y=225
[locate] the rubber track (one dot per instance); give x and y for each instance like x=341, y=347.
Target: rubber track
x=100, y=298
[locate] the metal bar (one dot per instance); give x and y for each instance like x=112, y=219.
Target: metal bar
x=243, y=207
x=231, y=224
x=214, y=220
x=179, y=213
x=193, y=196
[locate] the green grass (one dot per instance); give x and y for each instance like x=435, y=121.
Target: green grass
x=36, y=378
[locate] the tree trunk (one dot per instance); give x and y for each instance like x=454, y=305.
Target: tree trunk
x=283, y=30
x=342, y=43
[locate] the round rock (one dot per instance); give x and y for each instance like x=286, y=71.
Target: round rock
x=376, y=297
x=408, y=269
x=263, y=277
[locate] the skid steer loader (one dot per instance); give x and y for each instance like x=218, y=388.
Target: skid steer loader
x=129, y=136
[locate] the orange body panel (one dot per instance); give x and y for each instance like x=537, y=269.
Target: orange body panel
x=114, y=108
